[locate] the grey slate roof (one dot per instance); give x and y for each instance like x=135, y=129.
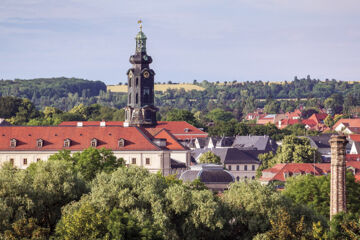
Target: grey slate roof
x=231, y=155
x=322, y=141
x=263, y=143
x=207, y=173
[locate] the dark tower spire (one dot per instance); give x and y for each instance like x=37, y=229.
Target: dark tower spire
x=140, y=109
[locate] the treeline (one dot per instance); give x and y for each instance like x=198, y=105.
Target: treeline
x=243, y=97
x=62, y=93
x=92, y=195
x=239, y=98
x=19, y=111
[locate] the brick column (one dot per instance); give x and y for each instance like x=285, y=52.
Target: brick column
x=338, y=169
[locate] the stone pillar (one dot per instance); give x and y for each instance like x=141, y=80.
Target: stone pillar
x=338, y=169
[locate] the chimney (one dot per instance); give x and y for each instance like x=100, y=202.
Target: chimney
x=338, y=169
x=79, y=124
x=102, y=124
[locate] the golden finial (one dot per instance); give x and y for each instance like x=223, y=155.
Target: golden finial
x=140, y=22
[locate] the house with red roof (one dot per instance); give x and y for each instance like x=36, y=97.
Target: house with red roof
x=282, y=171
x=347, y=126
x=316, y=122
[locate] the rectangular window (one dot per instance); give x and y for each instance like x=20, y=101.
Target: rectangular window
x=133, y=161
x=237, y=168
x=12, y=161
x=25, y=161
x=147, y=161
x=245, y=168
x=253, y=167
x=229, y=167
x=38, y=160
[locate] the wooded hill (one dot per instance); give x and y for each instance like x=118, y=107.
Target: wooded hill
x=237, y=97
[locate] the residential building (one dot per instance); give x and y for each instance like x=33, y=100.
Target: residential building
x=316, y=122
x=347, y=126
x=282, y=171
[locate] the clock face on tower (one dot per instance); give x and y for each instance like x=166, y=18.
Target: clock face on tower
x=146, y=74
x=145, y=57
x=130, y=74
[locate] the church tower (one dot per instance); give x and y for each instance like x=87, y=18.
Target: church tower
x=140, y=109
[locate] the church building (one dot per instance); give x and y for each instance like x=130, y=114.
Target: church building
x=140, y=140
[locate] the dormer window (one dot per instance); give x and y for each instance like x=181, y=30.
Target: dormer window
x=13, y=143
x=186, y=130
x=121, y=142
x=94, y=142
x=67, y=142
x=39, y=143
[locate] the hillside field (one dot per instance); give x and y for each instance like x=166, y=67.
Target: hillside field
x=158, y=87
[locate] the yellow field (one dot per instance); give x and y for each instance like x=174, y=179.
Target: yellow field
x=158, y=87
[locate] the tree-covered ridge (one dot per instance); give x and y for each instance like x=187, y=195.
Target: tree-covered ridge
x=50, y=87
x=237, y=97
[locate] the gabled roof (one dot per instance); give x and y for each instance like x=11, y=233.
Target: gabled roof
x=80, y=137
x=354, y=122
x=171, y=142
x=180, y=129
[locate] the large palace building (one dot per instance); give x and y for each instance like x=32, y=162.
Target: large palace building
x=140, y=140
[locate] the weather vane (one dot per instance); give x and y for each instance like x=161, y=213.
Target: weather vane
x=140, y=22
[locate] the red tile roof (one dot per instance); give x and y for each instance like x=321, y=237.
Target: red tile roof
x=318, y=117
x=355, y=122
x=171, y=142
x=80, y=137
x=355, y=137
x=353, y=157
x=180, y=129
x=279, y=170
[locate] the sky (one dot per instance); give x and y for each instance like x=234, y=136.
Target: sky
x=243, y=40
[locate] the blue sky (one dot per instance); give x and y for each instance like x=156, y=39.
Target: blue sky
x=270, y=40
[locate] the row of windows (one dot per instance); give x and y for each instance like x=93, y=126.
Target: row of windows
x=25, y=161
x=147, y=161
x=238, y=168
x=245, y=178
x=67, y=142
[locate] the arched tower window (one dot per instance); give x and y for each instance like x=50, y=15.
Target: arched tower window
x=137, y=98
x=137, y=81
x=130, y=98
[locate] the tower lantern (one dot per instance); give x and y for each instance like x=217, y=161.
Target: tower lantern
x=140, y=109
